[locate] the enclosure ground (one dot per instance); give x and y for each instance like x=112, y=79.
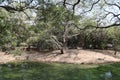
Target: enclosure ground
x=78, y=56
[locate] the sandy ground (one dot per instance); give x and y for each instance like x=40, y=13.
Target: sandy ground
x=71, y=56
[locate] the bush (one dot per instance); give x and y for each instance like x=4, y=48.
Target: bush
x=17, y=51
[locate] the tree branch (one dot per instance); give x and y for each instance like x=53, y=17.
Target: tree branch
x=112, y=4
x=114, y=15
x=112, y=25
x=64, y=3
x=74, y=5
x=91, y=6
x=8, y=8
x=21, y=8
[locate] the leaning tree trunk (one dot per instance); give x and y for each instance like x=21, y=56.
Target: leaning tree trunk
x=59, y=44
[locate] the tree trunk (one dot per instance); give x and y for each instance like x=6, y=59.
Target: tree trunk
x=28, y=48
x=115, y=52
x=64, y=45
x=62, y=51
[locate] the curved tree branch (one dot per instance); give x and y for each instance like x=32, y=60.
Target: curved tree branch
x=74, y=5
x=112, y=4
x=92, y=6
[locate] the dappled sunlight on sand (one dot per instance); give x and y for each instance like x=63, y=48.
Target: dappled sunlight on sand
x=71, y=56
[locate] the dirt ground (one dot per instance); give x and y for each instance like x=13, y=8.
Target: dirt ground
x=79, y=56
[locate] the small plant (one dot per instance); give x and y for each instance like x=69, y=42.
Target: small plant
x=17, y=51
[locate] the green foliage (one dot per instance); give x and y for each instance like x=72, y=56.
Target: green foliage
x=51, y=20
x=114, y=37
x=16, y=52
x=13, y=31
x=94, y=38
x=6, y=36
x=55, y=71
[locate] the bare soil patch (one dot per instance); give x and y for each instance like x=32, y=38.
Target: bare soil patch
x=71, y=56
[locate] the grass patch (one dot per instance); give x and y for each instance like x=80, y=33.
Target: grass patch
x=56, y=71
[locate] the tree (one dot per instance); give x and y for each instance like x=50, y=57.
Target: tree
x=6, y=31
x=58, y=22
x=113, y=15
x=14, y=30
